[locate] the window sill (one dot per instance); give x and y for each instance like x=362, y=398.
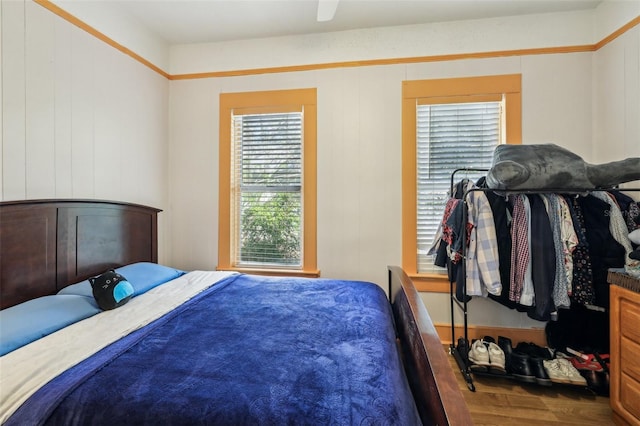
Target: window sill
x=274, y=272
x=432, y=283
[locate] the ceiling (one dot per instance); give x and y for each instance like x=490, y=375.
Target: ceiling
x=200, y=21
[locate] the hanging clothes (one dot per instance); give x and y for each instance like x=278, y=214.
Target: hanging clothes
x=543, y=258
x=519, y=247
x=560, y=283
x=604, y=251
x=454, y=234
x=583, y=291
x=618, y=229
x=630, y=209
x=535, y=252
x=482, y=263
x=569, y=240
x=501, y=211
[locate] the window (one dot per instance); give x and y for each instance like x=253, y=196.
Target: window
x=268, y=182
x=448, y=124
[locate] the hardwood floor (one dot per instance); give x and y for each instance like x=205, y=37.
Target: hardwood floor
x=499, y=401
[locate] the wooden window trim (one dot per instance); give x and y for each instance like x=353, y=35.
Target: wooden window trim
x=436, y=91
x=270, y=101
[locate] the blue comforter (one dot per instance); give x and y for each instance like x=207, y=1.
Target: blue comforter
x=248, y=351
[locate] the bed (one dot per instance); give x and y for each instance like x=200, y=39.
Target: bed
x=205, y=347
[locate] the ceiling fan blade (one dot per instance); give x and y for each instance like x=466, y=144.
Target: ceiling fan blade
x=327, y=9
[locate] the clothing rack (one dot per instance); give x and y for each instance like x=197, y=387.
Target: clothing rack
x=463, y=365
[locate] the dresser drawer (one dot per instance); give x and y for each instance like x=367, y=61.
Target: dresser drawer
x=629, y=362
x=630, y=395
x=625, y=351
x=630, y=319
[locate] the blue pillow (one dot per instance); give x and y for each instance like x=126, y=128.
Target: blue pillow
x=31, y=320
x=143, y=276
x=82, y=288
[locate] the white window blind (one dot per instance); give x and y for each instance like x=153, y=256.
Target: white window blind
x=450, y=136
x=267, y=184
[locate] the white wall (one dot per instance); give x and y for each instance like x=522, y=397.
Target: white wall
x=79, y=118
x=616, y=99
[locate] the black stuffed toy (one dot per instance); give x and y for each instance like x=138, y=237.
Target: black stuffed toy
x=111, y=290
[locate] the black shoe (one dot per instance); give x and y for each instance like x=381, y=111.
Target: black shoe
x=533, y=350
x=520, y=368
x=542, y=378
x=505, y=344
x=488, y=339
x=463, y=349
x=597, y=381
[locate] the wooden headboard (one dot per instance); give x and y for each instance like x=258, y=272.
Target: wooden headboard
x=46, y=245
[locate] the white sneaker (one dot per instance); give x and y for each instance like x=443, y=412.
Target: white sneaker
x=479, y=354
x=555, y=373
x=496, y=358
x=560, y=370
x=572, y=373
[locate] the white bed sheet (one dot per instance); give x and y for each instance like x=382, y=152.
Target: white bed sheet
x=25, y=370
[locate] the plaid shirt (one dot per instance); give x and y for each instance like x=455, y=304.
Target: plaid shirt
x=519, y=248
x=482, y=267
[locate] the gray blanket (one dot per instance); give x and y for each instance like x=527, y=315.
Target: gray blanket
x=551, y=167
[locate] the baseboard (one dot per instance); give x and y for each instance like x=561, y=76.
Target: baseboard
x=535, y=335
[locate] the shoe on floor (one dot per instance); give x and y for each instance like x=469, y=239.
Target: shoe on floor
x=463, y=349
x=571, y=373
x=560, y=370
x=505, y=345
x=555, y=372
x=537, y=367
x=520, y=368
x=590, y=363
x=534, y=350
x=497, y=359
x=479, y=355
x=597, y=381
x=488, y=339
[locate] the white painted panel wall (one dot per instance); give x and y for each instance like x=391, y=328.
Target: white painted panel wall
x=193, y=171
x=616, y=105
x=39, y=91
x=13, y=101
x=1, y=105
x=79, y=118
x=359, y=173
x=557, y=101
x=63, y=77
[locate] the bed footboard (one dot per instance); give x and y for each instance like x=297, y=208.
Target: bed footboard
x=434, y=386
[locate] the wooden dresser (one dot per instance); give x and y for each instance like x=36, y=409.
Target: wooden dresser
x=625, y=348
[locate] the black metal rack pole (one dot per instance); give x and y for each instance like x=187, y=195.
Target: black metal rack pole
x=460, y=358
